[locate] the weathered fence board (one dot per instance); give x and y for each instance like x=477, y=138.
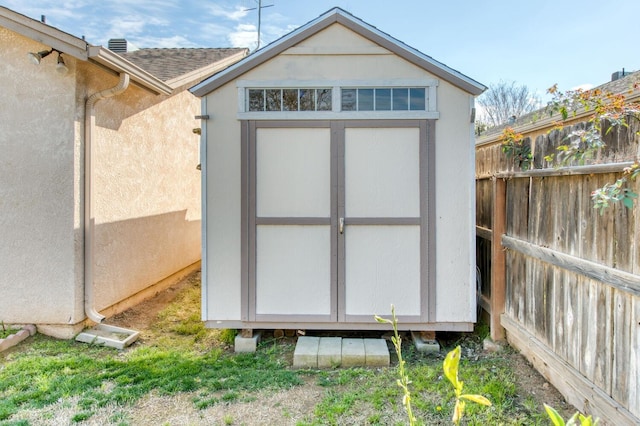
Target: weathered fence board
x=622, y=280
x=623, y=325
x=572, y=275
x=484, y=193
x=634, y=359
x=517, y=207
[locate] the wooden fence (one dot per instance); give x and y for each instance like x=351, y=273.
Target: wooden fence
x=559, y=277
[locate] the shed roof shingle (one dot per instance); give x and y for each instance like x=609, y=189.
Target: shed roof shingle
x=169, y=63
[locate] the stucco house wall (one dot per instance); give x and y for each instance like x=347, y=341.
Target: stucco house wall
x=146, y=185
x=41, y=250
x=147, y=196
x=337, y=54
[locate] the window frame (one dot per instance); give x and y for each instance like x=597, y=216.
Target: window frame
x=336, y=86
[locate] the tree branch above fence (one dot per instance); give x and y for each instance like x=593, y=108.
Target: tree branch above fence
x=621, y=280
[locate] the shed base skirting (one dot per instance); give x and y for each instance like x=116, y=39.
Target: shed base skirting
x=577, y=390
x=346, y=326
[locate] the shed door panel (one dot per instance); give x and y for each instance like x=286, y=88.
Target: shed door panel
x=292, y=236
x=382, y=266
x=293, y=173
x=292, y=271
x=382, y=172
x=382, y=222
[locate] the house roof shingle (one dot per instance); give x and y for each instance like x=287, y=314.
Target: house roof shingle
x=170, y=63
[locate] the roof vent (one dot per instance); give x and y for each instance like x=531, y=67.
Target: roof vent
x=619, y=74
x=121, y=45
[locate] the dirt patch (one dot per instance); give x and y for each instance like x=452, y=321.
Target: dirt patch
x=143, y=315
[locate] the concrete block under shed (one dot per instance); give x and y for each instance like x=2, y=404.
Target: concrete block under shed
x=353, y=353
x=246, y=344
x=376, y=353
x=330, y=352
x=306, y=353
x=425, y=345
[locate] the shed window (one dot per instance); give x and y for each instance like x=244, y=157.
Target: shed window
x=400, y=99
x=384, y=99
x=299, y=99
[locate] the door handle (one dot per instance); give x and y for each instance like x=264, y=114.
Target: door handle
x=341, y=225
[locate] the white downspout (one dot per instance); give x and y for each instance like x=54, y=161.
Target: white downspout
x=89, y=220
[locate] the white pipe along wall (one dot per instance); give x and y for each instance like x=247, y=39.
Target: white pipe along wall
x=89, y=220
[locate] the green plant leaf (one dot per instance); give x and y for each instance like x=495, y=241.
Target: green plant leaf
x=478, y=399
x=555, y=417
x=628, y=202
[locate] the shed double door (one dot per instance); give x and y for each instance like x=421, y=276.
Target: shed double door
x=336, y=221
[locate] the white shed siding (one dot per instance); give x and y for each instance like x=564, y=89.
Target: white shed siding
x=222, y=169
x=455, y=208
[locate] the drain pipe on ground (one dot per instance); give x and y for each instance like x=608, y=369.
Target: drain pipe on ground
x=89, y=220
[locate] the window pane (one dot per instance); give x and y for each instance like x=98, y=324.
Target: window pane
x=348, y=99
x=400, y=99
x=324, y=99
x=290, y=100
x=273, y=100
x=256, y=100
x=307, y=100
x=417, y=99
x=383, y=99
x=365, y=99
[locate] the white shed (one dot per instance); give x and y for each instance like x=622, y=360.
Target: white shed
x=338, y=179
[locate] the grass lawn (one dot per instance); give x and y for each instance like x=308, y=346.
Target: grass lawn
x=181, y=373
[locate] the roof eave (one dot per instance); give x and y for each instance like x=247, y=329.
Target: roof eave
x=79, y=49
x=337, y=15
x=43, y=33
x=117, y=63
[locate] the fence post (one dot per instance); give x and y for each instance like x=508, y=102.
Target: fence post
x=498, y=258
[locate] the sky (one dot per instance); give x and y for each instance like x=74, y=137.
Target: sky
x=538, y=43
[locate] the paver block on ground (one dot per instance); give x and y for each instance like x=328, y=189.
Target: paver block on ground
x=306, y=353
x=376, y=353
x=330, y=352
x=353, y=354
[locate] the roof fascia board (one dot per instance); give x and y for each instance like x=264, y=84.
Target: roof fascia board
x=113, y=61
x=412, y=55
x=206, y=71
x=45, y=34
x=338, y=15
x=265, y=54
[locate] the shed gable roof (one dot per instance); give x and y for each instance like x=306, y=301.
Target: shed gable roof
x=338, y=15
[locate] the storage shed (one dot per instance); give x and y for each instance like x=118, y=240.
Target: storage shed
x=338, y=179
